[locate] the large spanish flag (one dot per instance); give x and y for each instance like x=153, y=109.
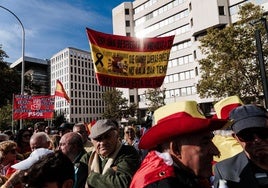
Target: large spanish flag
x=60, y=91
x=129, y=62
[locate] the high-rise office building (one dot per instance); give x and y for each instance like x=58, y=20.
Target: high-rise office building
x=188, y=20
x=74, y=68
x=36, y=74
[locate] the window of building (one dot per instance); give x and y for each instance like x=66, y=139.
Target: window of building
x=221, y=10
x=126, y=11
x=189, y=90
x=182, y=76
x=176, y=77
x=194, y=54
x=187, y=75
x=192, y=75
x=127, y=23
x=196, y=71
x=128, y=34
x=193, y=90
x=167, y=93
x=131, y=98
x=172, y=93
x=177, y=92
x=171, y=78
x=183, y=91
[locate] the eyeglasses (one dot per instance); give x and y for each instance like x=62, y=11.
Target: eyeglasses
x=250, y=135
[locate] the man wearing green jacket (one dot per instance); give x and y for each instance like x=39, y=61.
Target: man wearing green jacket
x=110, y=164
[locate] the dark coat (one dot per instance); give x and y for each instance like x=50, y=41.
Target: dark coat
x=76, y=163
x=183, y=179
x=127, y=162
x=237, y=171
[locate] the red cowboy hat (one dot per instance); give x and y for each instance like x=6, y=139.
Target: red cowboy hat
x=177, y=119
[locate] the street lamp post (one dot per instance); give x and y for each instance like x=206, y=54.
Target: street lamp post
x=262, y=66
x=23, y=52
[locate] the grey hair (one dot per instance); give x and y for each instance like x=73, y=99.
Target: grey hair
x=41, y=135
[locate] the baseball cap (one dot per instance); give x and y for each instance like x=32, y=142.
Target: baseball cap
x=34, y=157
x=101, y=127
x=248, y=116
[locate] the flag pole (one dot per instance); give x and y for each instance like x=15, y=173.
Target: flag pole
x=12, y=121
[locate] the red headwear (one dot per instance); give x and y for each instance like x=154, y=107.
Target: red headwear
x=177, y=119
x=226, y=105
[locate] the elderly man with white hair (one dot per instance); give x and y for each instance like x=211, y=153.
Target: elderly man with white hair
x=110, y=164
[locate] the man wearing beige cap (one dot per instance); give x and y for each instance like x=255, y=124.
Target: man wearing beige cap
x=110, y=164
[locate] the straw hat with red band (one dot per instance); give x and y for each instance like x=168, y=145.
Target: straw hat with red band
x=177, y=119
x=226, y=105
x=223, y=139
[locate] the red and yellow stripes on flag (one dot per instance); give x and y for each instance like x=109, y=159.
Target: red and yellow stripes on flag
x=60, y=91
x=129, y=62
x=33, y=107
x=90, y=125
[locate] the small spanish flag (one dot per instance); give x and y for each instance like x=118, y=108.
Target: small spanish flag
x=89, y=126
x=60, y=91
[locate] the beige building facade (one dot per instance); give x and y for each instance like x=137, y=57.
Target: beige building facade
x=74, y=68
x=188, y=21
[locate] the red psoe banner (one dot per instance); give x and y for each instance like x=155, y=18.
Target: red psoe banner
x=129, y=62
x=33, y=107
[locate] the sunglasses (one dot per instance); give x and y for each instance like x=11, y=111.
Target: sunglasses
x=251, y=135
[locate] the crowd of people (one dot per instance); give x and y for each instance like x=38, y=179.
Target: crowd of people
x=180, y=149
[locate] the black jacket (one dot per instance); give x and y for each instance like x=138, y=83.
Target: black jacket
x=238, y=172
x=183, y=179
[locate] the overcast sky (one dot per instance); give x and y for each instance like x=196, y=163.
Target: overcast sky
x=52, y=25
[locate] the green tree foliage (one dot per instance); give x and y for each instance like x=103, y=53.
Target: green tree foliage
x=5, y=117
x=130, y=111
x=156, y=98
x=230, y=66
x=10, y=81
x=116, y=105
